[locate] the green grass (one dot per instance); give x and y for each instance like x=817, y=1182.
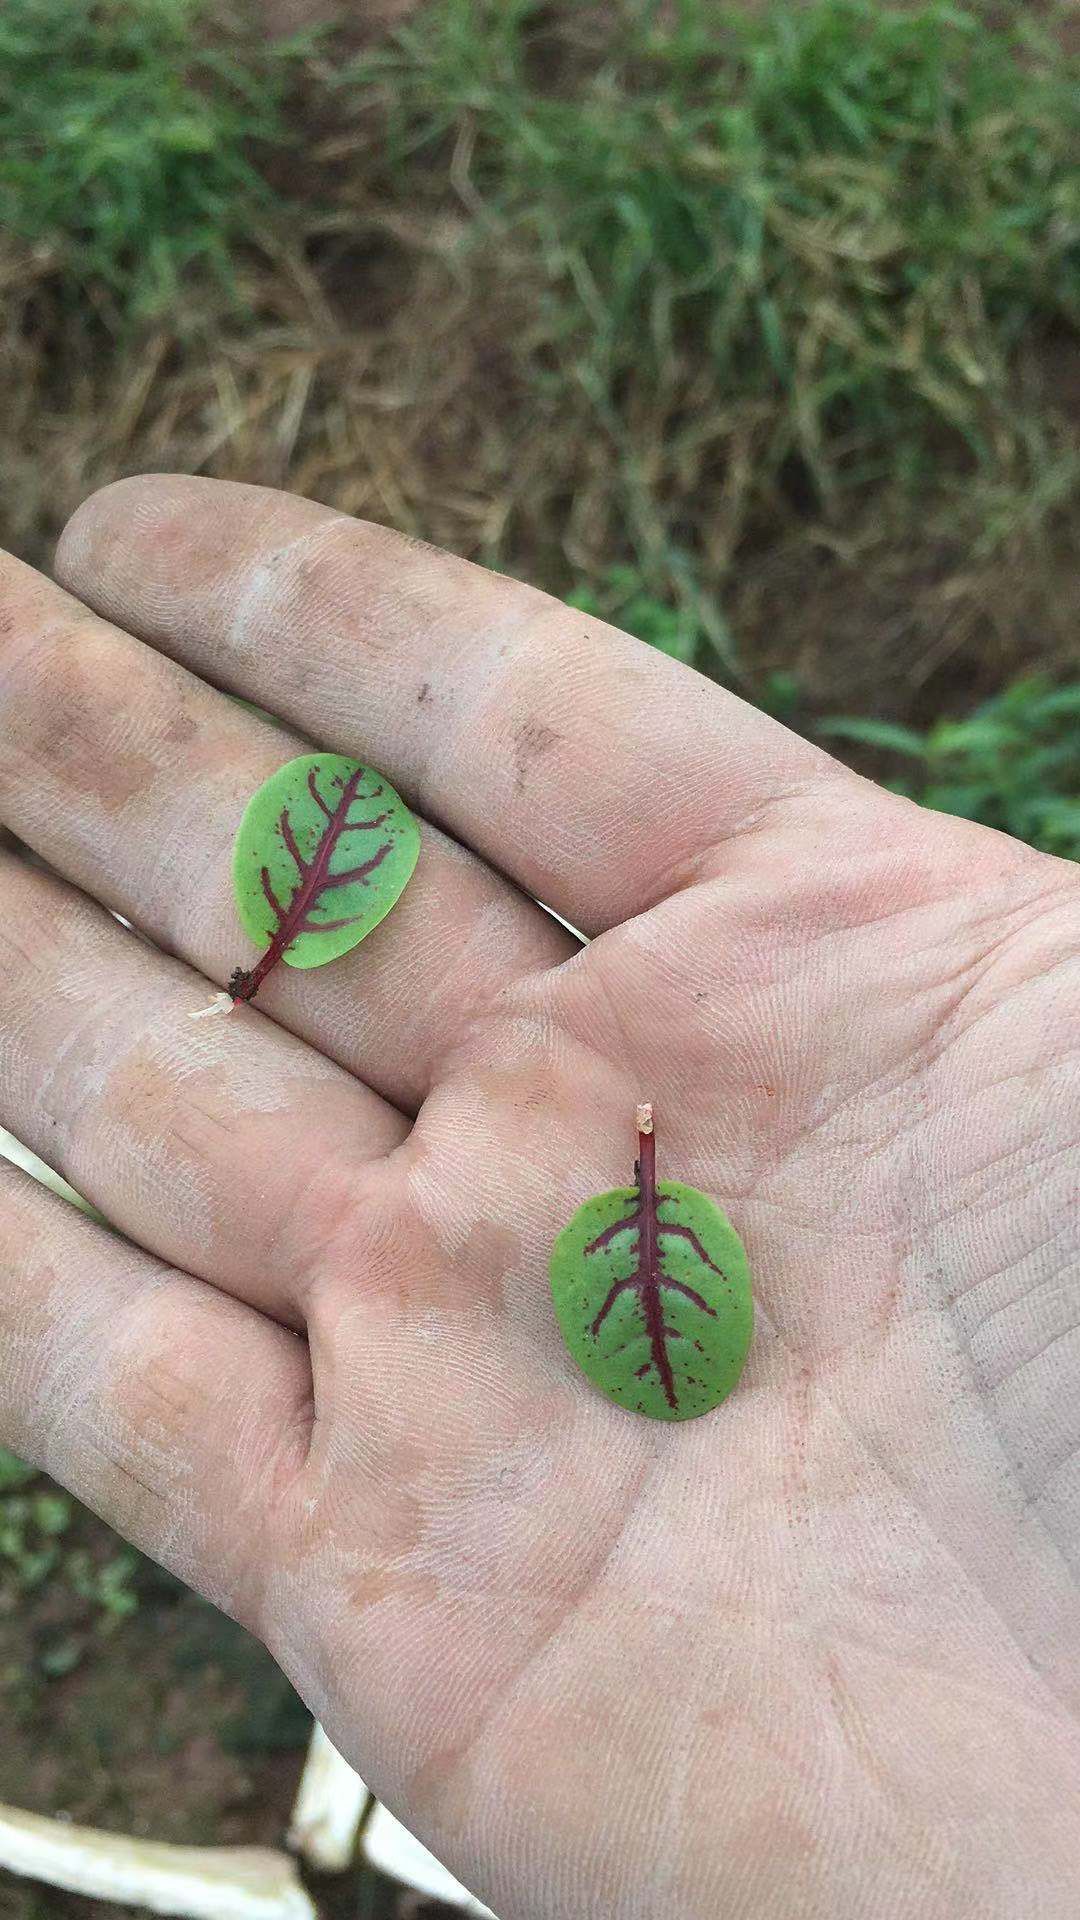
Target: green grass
x=753, y=263
x=753, y=331
x=129, y=143
x=1014, y=763
x=36, y=1520
x=621, y=595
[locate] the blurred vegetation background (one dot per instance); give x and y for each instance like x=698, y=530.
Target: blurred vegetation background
x=755, y=329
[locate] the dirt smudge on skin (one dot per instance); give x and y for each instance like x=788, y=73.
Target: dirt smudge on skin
x=487, y=1260
x=532, y=742
x=69, y=742
x=92, y=720
x=392, y=1583
x=441, y=1790
x=181, y=730
x=798, y=1444
x=892, y=1293
x=459, y=1283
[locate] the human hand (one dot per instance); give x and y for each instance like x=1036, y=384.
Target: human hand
x=815, y=1654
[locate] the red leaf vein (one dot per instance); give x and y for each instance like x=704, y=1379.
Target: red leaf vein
x=285, y=827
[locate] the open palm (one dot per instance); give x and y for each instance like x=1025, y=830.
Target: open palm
x=816, y=1654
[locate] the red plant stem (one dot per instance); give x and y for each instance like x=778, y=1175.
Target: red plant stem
x=646, y=1155
x=648, y=1278
x=649, y=1255
x=244, y=986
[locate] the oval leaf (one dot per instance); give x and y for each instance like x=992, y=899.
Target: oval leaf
x=324, y=850
x=652, y=1294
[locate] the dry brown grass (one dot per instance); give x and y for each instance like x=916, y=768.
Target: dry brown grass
x=378, y=358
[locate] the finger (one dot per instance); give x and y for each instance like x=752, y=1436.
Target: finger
x=595, y=771
x=174, y=1412
x=130, y=776
x=225, y=1146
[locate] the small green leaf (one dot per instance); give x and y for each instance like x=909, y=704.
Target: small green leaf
x=52, y=1512
x=61, y=1658
x=325, y=849
x=651, y=1288
x=979, y=735
x=875, y=733
x=14, y=1473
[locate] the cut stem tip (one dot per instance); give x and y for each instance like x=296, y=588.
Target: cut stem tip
x=644, y=1119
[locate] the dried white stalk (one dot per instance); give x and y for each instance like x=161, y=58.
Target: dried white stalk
x=13, y=1150
x=202, y=1883
x=395, y=1851
x=330, y=1805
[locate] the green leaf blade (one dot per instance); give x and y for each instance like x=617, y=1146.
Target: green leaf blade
x=702, y=1317
x=325, y=849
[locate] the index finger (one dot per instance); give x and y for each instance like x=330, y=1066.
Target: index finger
x=596, y=772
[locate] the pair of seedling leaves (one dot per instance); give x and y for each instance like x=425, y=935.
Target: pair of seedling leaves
x=650, y=1282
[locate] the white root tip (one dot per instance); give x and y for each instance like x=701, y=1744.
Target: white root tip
x=221, y=1003
x=644, y=1118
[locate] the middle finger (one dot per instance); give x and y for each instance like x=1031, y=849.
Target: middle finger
x=130, y=775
